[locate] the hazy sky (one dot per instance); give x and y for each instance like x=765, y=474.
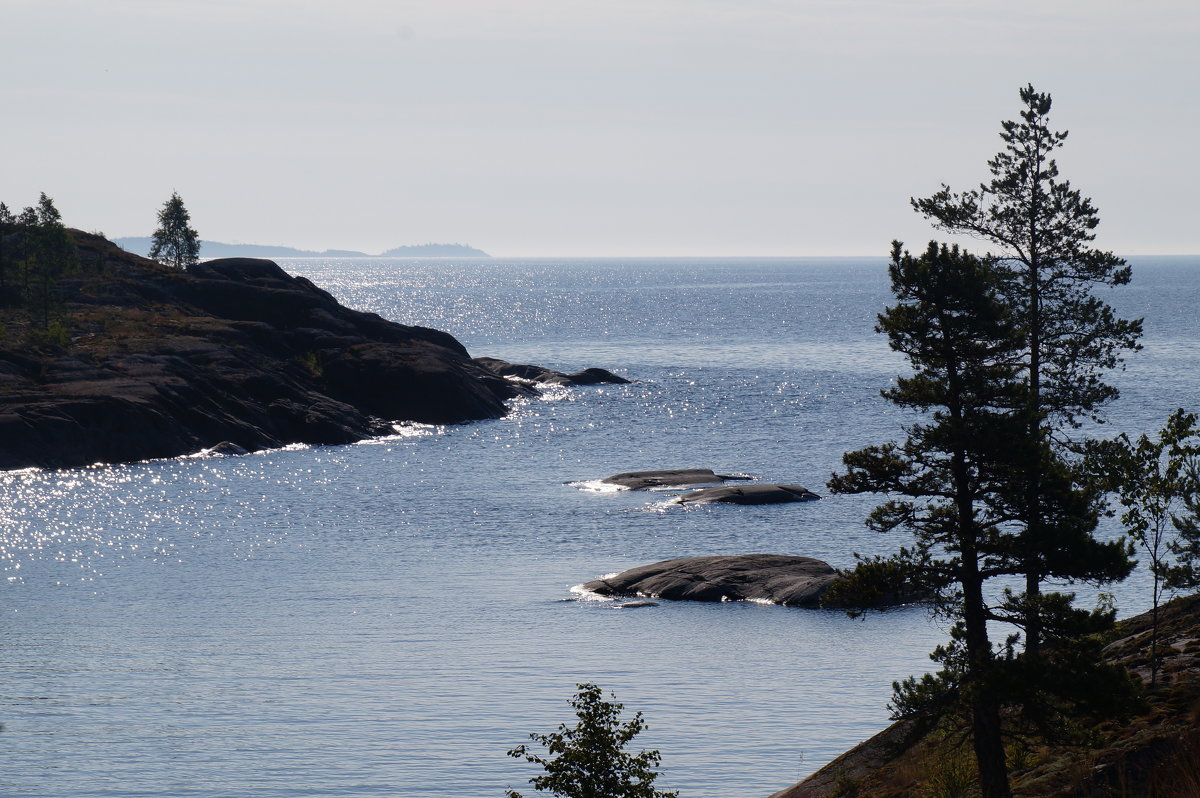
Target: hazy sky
x=588, y=127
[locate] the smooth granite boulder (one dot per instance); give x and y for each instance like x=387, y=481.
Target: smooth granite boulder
x=749, y=494
x=670, y=478
x=777, y=578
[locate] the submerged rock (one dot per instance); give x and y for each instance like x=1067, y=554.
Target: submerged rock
x=679, y=477
x=534, y=375
x=749, y=494
x=632, y=605
x=777, y=578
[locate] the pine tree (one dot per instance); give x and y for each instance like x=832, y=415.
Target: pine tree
x=8, y=226
x=955, y=471
x=27, y=224
x=175, y=242
x=54, y=254
x=1043, y=230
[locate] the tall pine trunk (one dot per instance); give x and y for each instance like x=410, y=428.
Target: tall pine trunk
x=986, y=737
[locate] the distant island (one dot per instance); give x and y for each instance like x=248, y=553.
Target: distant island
x=216, y=249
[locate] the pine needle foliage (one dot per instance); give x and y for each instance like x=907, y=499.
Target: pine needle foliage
x=175, y=243
x=1042, y=230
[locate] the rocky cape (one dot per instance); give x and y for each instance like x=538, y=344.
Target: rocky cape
x=155, y=362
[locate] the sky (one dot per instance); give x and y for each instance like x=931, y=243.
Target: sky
x=589, y=127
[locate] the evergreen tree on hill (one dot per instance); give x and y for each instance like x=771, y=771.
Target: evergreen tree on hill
x=1043, y=231
x=8, y=225
x=175, y=242
x=1007, y=352
x=953, y=475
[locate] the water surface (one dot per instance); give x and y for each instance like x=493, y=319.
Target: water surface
x=388, y=618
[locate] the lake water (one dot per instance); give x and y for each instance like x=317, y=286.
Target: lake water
x=389, y=618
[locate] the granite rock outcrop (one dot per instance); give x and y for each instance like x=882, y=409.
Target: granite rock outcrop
x=158, y=362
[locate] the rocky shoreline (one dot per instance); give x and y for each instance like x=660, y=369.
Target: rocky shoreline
x=1153, y=752
x=153, y=362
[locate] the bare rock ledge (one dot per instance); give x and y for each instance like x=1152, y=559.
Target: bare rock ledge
x=777, y=578
x=749, y=494
x=668, y=478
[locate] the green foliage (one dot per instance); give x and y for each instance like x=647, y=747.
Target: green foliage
x=952, y=479
x=312, y=363
x=8, y=238
x=1185, y=574
x=36, y=251
x=1043, y=229
x=929, y=694
x=175, y=242
x=879, y=581
x=1007, y=354
x=52, y=340
x=589, y=760
x=950, y=773
x=1152, y=478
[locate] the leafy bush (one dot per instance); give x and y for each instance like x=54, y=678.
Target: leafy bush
x=589, y=760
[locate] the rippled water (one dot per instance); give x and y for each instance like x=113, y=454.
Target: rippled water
x=388, y=618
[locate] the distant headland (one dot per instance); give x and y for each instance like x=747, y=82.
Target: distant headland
x=216, y=249
x=128, y=359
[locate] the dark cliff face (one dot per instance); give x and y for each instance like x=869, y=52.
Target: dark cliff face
x=162, y=363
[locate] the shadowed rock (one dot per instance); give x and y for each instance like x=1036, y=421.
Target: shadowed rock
x=227, y=449
x=749, y=494
x=537, y=374
x=778, y=578
x=672, y=478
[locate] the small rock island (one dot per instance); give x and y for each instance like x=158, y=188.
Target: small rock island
x=749, y=494
x=775, y=578
x=667, y=478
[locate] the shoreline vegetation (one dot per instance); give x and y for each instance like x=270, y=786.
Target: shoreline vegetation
x=1008, y=354
x=1153, y=751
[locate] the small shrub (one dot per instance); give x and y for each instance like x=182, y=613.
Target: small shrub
x=312, y=363
x=952, y=775
x=590, y=760
x=52, y=339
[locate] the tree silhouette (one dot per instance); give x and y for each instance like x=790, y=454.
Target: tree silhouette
x=954, y=474
x=1043, y=230
x=590, y=760
x=175, y=242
